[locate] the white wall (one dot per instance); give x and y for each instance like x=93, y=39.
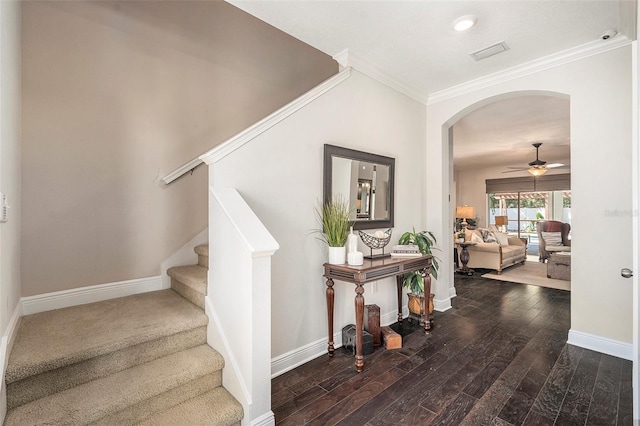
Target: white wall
x=10, y=15
x=280, y=176
x=599, y=88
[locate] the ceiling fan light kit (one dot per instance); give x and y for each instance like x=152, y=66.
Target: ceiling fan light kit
x=537, y=171
x=537, y=167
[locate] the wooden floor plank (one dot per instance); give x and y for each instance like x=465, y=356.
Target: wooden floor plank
x=603, y=410
x=499, y=357
x=578, y=397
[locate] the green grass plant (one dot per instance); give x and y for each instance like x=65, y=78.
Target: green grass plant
x=334, y=216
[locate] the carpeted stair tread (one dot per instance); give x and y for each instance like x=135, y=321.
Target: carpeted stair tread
x=54, y=339
x=104, y=397
x=214, y=408
x=202, y=250
x=50, y=382
x=193, y=276
x=203, y=255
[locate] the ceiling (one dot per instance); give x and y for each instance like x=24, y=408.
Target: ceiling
x=413, y=45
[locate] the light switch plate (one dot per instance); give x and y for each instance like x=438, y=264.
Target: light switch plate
x=4, y=208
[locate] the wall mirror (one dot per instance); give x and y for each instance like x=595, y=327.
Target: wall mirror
x=366, y=180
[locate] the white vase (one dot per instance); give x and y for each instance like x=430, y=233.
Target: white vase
x=337, y=255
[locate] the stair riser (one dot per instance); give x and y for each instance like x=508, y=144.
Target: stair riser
x=203, y=261
x=188, y=293
x=138, y=412
x=41, y=385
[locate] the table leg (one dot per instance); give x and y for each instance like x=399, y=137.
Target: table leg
x=359, y=325
x=330, y=295
x=425, y=308
x=399, y=280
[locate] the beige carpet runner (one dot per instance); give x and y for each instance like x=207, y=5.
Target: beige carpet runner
x=531, y=272
x=141, y=359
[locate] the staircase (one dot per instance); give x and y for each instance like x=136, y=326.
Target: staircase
x=141, y=359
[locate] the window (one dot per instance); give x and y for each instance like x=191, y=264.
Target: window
x=525, y=209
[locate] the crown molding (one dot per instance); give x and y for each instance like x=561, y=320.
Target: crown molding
x=349, y=59
x=547, y=62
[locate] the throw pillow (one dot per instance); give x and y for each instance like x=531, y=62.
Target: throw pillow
x=475, y=238
x=552, y=238
x=488, y=236
x=503, y=239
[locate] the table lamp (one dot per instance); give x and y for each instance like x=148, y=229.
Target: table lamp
x=464, y=213
x=501, y=222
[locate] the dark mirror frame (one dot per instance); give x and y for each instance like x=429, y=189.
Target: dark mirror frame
x=331, y=151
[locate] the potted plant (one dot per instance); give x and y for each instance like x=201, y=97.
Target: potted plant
x=425, y=240
x=461, y=236
x=334, y=217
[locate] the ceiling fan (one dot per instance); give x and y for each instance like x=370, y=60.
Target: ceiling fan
x=536, y=167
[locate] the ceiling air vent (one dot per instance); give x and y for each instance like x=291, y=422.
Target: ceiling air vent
x=489, y=51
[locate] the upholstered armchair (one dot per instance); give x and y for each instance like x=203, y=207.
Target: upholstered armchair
x=554, y=237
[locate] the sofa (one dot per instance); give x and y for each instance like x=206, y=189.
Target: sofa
x=493, y=250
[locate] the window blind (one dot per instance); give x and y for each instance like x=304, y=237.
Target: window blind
x=560, y=182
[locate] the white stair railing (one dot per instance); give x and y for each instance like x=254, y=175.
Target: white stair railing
x=239, y=301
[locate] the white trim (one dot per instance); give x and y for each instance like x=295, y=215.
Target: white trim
x=95, y=293
x=230, y=145
x=349, y=59
x=267, y=419
x=252, y=232
x=296, y=357
x=442, y=305
x=6, y=344
x=601, y=344
x=231, y=375
x=181, y=170
x=541, y=64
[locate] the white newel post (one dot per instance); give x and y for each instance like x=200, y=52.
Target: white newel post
x=239, y=301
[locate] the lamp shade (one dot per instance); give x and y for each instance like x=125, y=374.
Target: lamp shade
x=465, y=212
x=501, y=220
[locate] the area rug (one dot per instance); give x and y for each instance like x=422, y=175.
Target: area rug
x=534, y=273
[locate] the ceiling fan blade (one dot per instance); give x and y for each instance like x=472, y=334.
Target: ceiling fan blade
x=513, y=171
x=557, y=165
x=517, y=168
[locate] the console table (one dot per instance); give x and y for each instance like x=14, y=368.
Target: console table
x=373, y=270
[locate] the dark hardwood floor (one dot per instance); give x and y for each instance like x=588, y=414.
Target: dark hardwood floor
x=499, y=357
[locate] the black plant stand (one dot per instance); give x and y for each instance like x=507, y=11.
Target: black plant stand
x=464, y=258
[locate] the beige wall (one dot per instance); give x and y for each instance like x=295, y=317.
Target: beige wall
x=118, y=94
x=9, y=160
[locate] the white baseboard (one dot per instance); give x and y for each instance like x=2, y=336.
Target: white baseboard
x=6, y=344
x=295, y=358
x=267, y=419
x=95, y=293
x=601, y=344
x=442, y=305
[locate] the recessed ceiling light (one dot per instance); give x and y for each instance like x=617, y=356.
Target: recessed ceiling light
x=463, y=23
